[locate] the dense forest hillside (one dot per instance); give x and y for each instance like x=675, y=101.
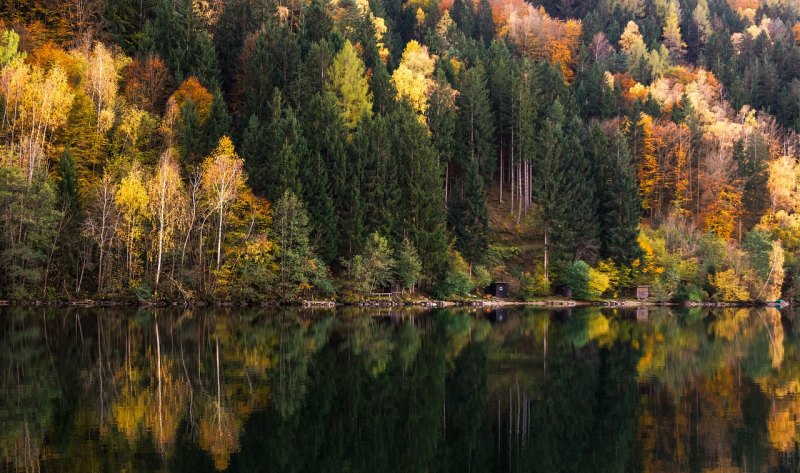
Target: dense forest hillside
x=285, y=149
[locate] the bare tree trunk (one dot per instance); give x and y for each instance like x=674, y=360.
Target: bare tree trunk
x=546, y=262
x=219, y=239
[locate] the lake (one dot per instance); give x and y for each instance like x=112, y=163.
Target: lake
x=517, y=390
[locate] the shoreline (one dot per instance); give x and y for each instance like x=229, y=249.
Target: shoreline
x=378, y=303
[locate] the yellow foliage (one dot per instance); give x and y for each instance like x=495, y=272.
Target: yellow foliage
x=649, y=172
x=729, y=286
x=412, y=78
x=724, y=211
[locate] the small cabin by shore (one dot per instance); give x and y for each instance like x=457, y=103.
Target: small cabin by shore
x=641, y=293
x=497, y=289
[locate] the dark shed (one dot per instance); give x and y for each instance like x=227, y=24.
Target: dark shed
x=498, y=289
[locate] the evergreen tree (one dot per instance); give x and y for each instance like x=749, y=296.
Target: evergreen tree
x=582, y=241
x=69, y=204
x=752, y=162
x=217, y=124
x=617, y=197
x=272, y=151
x=464, y=16
x=325, y=145
x=291, y=232
x=191, y=139
x=180, y=38
x=372, y=149
x=484, y=25
x=551, y=188
x=476, y=126
x=469, y=218
x=420, y=211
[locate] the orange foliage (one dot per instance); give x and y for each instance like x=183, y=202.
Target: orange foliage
x=648, y=172
x=742, y=5
x=724, y=211
x=538, y=35
x=796, y=32
x=192, y=90
x=147, y=82
x=49, y=55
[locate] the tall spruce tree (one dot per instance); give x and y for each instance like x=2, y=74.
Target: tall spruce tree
x=469, y=218
x=618, y=202
x=420, y=210
x=476, y=124
x=178, y=35
x=271, y=151
x=551, y=188
x=324, y=145
x=581, y=240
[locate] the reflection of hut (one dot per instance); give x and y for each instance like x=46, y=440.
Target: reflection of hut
x=642, y=314
x=498, y=315
x=498, y=289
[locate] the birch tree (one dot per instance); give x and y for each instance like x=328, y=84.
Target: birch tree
x=223, y=176
x=167, y=201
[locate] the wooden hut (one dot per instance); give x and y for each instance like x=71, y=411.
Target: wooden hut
x=497, y=289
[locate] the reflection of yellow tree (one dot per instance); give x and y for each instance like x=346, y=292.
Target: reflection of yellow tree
x=219, y=433
x=155, y=406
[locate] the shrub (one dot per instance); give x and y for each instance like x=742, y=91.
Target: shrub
x=586, y=283
x=534, y=287
x=457, y=281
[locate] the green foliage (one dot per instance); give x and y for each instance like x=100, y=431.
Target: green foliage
x=408, y=268
x=29, y=220
x=348, y=82
x=373, y=269
x=178, y=36
x=585, y=282
x=9, y=47
x=534, y=286
x=295, y=256
x=456, y=281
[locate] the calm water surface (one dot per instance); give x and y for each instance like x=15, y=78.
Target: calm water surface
x=94, y=390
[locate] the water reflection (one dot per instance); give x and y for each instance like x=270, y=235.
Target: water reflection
x=516, y=390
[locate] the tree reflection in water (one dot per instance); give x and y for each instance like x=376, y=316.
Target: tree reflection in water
x=243, y=389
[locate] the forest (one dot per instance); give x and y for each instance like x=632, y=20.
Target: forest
x=279, y=150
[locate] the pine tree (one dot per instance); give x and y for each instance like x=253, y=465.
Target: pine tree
x=484, y=25
x=372, y=148
x=464, y=16
x=583, y=225
x=442, y=120
x=191, y=139
x=217, y=124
